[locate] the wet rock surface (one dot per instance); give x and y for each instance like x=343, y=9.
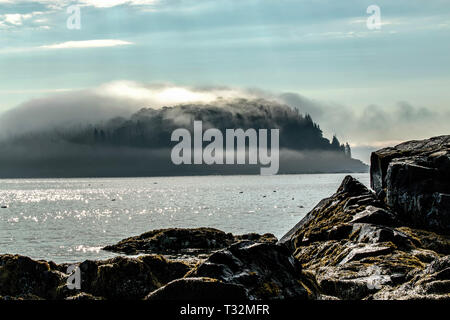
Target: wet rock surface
x=393, y=243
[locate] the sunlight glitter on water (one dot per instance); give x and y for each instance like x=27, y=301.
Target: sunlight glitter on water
x=51, y=218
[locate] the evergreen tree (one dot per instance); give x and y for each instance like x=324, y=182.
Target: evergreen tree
x=335, y=143
x=348, y=150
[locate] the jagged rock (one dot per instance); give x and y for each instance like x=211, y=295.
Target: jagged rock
x=369, y=233
x=334, y=214
x=376, y=216
x=356, y=246
x=22, y=276
x=128, y=278
x=178, y=241
x=428, y=240
x=199, y=289
x=266, y=270
x=364, y=252
x=413, y=178
x=432, y=283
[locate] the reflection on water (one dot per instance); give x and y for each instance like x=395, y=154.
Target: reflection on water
x=68, y=220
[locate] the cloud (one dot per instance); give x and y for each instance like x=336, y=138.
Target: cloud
x=373, y=125
x=55, y=136
x=22, y=91
x=74, y=160
x=92, y=3
x=119, y=98
x=17, y=19
x=61, y=110
x=382, y=23
x=83, y=44
x=87, y=44
x=159, y=95
x=113, y=3
x=43, y=20
x=366, y=129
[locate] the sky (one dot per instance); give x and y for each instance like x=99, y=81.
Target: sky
x=371, y=87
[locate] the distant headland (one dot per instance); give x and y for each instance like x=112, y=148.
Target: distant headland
x=141, y=144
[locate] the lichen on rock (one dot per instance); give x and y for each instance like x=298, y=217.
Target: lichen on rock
x=365, y=245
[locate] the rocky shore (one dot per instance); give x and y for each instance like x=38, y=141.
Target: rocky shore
x=390, y=243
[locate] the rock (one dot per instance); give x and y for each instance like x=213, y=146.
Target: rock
x=267, y=237
x=331, y=218
x=123, y=278
x=327, y=298
x=22, y=276
x=265, y=270
x=381, y=159
x=364, y=252
x=199, y=289
x=357, y=247
x=428, y=240
x=179, y=241
x=117, y=278
x=432, y=283
x=413, y=179
x=369, y=233
x=376, y=216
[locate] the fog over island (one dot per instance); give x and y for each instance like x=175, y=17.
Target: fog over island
x=99, y=133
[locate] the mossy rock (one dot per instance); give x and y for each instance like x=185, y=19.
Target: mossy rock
x=23, y=276
x=187, y=241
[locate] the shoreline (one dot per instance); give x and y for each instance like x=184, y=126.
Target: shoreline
x=182, y=176
x=357, y=244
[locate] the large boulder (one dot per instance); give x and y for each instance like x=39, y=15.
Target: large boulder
x=183, y=241
x=265, y=270
x=413, y=179
x=118, y=278
x=124, y=278
x=332, y=218
x=25, y=278
x=356, y=246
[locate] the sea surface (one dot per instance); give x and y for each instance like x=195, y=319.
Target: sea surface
x=70, y=220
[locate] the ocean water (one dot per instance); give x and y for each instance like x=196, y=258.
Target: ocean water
x=70, y=220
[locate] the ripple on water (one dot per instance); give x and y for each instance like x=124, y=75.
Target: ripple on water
x=68, y=220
